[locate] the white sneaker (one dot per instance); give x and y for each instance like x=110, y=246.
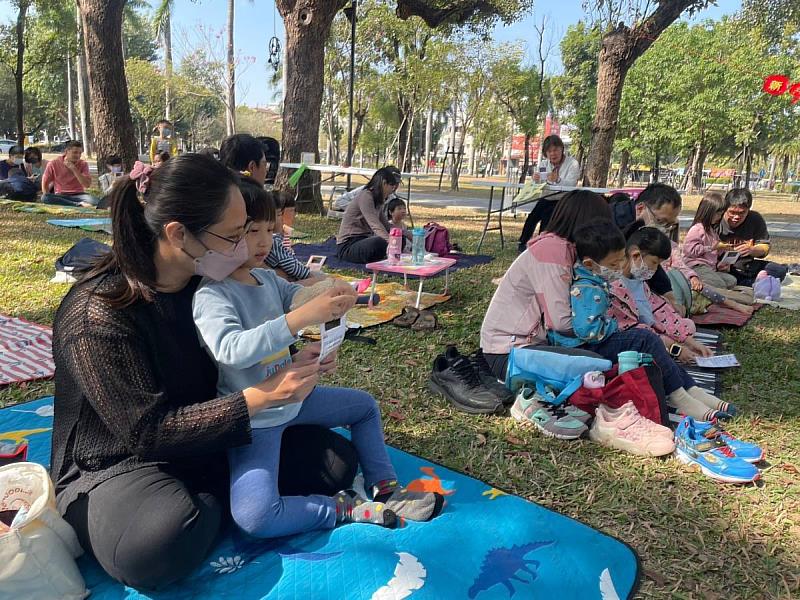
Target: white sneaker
x=626, y=429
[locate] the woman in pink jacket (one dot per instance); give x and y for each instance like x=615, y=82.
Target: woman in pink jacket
x=533, y=296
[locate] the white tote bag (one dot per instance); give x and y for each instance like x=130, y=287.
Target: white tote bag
x=37, y=554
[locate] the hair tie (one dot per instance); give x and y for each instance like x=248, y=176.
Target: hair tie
x=141, y=175
x=245, y=173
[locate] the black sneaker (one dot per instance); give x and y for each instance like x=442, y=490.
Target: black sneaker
x=459, y=382
x=487, y=378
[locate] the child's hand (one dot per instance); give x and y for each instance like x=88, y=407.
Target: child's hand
x=697, y=285
x=698, y=347
x=292, y=384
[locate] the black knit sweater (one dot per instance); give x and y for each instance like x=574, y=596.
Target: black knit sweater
x=133, y=388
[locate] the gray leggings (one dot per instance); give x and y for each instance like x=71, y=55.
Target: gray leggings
x=714, y=278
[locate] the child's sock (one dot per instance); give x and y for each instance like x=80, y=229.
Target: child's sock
x=352, y=508
x=689, y=405
x=711, y=401
x=414, y=506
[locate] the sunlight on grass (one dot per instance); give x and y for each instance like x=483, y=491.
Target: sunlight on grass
x=697, y=539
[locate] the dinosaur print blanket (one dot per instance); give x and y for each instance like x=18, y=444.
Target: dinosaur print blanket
x=486, y=544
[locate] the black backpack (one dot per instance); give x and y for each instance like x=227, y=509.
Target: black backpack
x=81, y=256
x=623, y=212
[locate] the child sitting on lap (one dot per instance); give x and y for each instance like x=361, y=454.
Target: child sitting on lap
x=600, y=248
x=247, y=322
x=633, y=304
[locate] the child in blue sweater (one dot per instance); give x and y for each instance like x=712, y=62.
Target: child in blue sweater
x=247, y=322
x=600, y=250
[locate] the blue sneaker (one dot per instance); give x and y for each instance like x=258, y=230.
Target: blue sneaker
x=712, y=430
x=715, y=458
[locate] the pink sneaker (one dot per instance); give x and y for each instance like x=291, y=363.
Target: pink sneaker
x=630, y=408
x=625, y=429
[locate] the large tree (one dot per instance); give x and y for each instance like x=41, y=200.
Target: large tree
x=631, y=28
x=308, y=23
x=108, y=90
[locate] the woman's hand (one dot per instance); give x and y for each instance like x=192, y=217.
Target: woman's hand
x=292, y=384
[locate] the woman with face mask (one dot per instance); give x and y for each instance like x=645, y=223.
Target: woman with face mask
x=139, y=432
x=164, y=142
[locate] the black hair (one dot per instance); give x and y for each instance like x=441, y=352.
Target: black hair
x=164, y=156
x=16, y=150
x=393, y=204
x=73, y=144
x=284, y=200
x=712, y=204
x=190, y=189
x=260, y=204
x=552, y=141
x=113, y=160
x=739, y=197
x=649, y=240
x=618, y=197
x=209, y=151
x=164, y=122
x=389, y=175
x=576, y=209
x=656, y=195
x=32, y=151
x=598, y=239
x=238, y=150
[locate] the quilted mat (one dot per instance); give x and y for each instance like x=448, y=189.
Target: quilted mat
x=486, y=544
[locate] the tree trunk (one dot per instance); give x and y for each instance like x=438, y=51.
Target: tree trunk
x=108, y=90
x=19, y=71
x=404, y=116
x=748, y=164
x=623, y=168
x=618, y=51
x=358, y=118
x=70, y=113
x=83, y=82
x=785, y=172
x=428, y=138
x=526, y=159
x=307, y=27
x=687, y=171
x=167, y=34
x=700, y=154
x=230, y=121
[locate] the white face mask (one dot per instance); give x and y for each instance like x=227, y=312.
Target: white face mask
x=642, y=272
x=19, y=161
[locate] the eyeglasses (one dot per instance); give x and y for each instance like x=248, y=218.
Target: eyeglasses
x=660, y=223
x=233, y=241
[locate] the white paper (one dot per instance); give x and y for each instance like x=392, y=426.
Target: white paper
x=331, y=336
x=729, y=258
x=723, y=361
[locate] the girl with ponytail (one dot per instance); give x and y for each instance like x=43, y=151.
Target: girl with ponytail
x=139, y=432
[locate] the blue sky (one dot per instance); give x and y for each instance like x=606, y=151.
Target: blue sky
x=254, y=27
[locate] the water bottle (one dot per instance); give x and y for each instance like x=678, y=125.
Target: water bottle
x=418, y=246
x=395, y=247
x=628, y=361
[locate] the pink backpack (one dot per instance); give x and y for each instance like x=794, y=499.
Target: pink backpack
x=437, y=239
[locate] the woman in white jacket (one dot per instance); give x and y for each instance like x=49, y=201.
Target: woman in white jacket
x=558, y=167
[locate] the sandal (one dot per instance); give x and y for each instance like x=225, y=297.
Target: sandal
x=407, y=318
x=427, y=321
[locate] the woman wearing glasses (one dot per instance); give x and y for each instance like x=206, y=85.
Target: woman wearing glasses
x=139, y=435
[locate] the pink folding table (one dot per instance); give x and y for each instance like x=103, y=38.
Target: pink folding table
x=429, y=268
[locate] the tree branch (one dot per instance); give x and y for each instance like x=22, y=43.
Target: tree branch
x=667, y=13
x=458, y=12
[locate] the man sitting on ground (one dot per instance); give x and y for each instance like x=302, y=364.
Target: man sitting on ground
x=68, y=177
x=747, y=230
x=15, y=159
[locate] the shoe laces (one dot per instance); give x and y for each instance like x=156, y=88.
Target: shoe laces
x=726, y=450
x=480, y=364
x=466, y=371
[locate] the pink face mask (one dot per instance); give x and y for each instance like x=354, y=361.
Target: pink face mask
x=218, y=265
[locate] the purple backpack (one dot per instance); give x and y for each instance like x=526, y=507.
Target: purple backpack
x=437, y=239
x=767, y=287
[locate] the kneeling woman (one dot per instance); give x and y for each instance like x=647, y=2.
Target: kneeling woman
x=534, y=297
x=140, y=435
x=364, y=232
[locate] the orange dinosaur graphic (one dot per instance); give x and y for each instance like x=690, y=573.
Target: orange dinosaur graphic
x=431, y=483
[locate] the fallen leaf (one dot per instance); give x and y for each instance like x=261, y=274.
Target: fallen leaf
x=397, y=415
x=411, y=362
x=514, y=440
x=657, y=578
x=480, y=439
x=790, y=468
x=366, y=369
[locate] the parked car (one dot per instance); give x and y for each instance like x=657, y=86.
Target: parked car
x=5, y=146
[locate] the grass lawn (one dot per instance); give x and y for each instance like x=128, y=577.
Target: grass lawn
x=696, y=538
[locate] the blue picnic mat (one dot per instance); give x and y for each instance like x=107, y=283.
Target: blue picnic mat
x=486, y=544
x=328, y=248
x=85, y=224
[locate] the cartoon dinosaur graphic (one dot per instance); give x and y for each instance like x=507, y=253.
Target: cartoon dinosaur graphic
x=500, y=566
x=250, y=548
x=431, y=483
x=21, y=435
x=493, y=493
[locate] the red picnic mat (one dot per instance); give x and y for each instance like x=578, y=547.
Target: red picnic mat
x=25, y=350
x=721, y=315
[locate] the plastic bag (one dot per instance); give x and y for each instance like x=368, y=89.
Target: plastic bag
x=37, y=553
